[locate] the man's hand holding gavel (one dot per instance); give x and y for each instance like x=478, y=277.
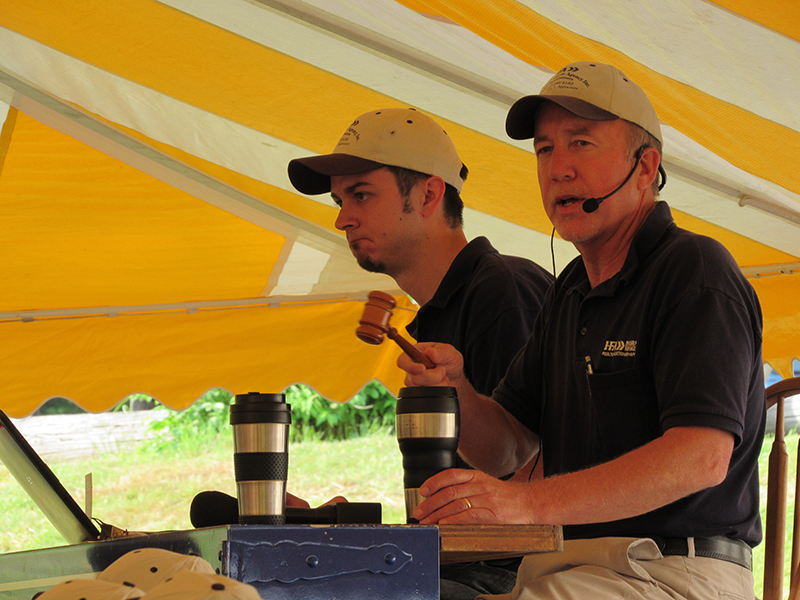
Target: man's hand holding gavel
x=448, y=366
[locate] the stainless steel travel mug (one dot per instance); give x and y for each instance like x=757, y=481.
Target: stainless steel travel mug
x=261, y=456
x=427, y=423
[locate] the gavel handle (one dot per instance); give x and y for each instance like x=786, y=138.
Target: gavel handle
x=409, y=349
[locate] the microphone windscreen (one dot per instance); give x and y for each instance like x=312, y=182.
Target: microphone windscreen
x=591, y=204
x=210, y=509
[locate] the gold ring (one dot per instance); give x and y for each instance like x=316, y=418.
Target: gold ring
x=469, y=504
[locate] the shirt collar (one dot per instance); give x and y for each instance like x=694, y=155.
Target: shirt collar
x=644, y=243
x=646, y=240
x=460, y=269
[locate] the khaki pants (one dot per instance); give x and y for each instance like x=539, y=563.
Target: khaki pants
x=626, y=568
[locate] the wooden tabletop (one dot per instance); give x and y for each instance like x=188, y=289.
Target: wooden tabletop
x=468, y=543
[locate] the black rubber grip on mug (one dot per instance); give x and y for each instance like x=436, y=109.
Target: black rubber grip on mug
x=261, y=466
x=262, y=520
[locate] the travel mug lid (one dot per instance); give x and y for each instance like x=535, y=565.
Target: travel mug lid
x=259, y=397
x=255, y=407
x=427, y=399
x=427, y=391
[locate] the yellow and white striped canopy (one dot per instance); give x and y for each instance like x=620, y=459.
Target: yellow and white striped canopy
x=151, y=239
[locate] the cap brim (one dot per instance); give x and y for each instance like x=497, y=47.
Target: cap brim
x=520, y=122
x=312, y=175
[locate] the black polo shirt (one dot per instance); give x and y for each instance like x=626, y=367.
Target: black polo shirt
x=485, y=307
x=674, y=339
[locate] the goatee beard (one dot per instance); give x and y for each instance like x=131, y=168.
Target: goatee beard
x=373, y=266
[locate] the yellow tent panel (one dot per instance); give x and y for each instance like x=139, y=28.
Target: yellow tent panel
x=153, y=243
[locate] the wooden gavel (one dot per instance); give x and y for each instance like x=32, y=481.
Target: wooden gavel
x=374, y=323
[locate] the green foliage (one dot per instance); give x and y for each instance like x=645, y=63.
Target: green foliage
x=65, y=406
x=313, y=417
x=59, y=406
x=208, y=417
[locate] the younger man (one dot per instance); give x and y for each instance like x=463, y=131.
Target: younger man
x=397, y=178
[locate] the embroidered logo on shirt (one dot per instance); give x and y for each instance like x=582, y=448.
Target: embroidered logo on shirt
x=619, y=348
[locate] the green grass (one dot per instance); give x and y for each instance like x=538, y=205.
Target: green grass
x=145, y=491
x=150, y=491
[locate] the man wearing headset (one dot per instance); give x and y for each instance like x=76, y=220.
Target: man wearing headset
x=642, y=380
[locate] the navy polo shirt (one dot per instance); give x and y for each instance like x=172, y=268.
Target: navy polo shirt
x=485, y=307
x=672, y=340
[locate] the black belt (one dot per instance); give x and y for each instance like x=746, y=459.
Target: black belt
x=719, y=547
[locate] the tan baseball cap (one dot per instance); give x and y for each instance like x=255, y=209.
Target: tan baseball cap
x=193, y=585
x=147, y=567
x=397, y=137
x=91, y=589
x=590, y=90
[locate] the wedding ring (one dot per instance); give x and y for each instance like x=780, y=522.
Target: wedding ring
x=469, y=504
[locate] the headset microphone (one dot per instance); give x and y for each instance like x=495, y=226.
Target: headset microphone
x=591, y=204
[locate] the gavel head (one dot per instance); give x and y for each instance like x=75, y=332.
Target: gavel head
x=374, y=323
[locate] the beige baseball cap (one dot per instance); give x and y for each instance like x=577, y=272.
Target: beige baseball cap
x=147, y=567
x=397, y=137
x=590, y=90
x=193, y=585
x=91, y=589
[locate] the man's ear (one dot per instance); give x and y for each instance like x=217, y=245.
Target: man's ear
x=649, y=171
x=433, y=190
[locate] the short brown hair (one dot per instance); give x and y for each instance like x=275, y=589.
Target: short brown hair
x=453, y=205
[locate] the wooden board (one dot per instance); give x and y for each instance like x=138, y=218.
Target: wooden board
x=468, y=543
